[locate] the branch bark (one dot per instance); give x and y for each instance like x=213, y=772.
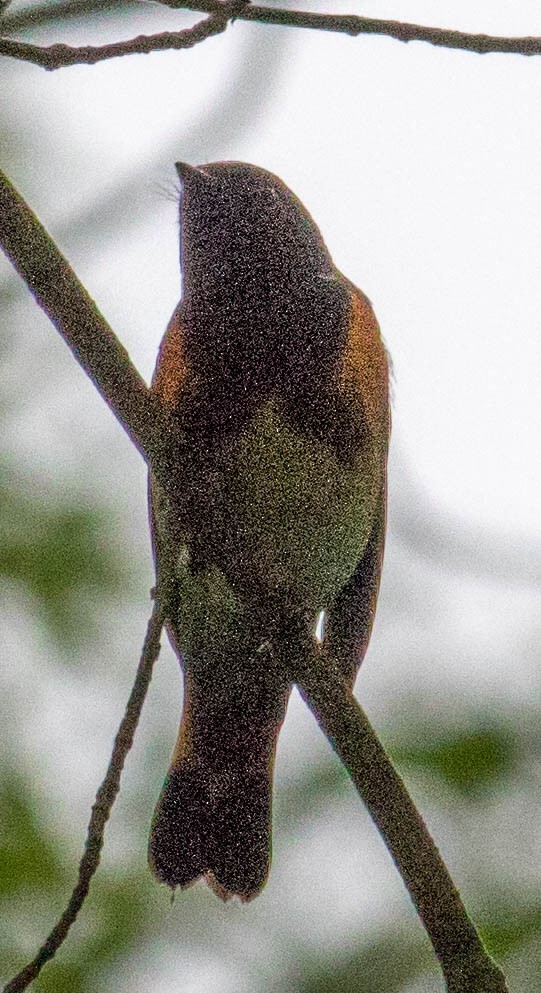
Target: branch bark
x=354, y=25
x=105, y=798
x=61, y=56
x=56, y=289
x=45, y=14
x=465, y=963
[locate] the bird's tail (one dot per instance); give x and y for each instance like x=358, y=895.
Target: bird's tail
x=213, y=817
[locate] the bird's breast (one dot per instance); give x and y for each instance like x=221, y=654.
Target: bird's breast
x=289, y=512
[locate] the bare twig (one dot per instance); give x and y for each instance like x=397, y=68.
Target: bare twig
x=466, y=965
x=354, y=25
x=98, y=351
x=105, y=798
x=61, y=56
x=45, y=14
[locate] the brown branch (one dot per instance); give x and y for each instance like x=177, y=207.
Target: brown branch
x=45, y=14
x=354, y=25
x=61, y=56
x=98, y=351
x=105, y=798
x=466, y=965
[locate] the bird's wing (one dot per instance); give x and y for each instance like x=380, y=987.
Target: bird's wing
x=349, y=619
x=364, y=379
x=168, y=382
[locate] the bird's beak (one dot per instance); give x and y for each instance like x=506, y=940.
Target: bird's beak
x=185, y=171
x=191, y=175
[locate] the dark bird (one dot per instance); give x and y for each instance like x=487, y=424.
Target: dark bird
x=274, y=369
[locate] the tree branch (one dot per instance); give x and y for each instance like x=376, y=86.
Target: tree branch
x=53, y=283
x=45, y=14
x=354, y=25
x=61, y=56
x=105, y=798
x=466, y=965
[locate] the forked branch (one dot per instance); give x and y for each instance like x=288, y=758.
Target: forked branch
x=61, y=56
x=221, y=12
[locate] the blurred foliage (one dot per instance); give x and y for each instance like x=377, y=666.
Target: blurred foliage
x=511, y=927
x=392, y=960
x=34, y=874
x=386, y=963
x=318, y=787
x=123, y=905
x=30, y=861
x=470, y=760
x=120, y=908
x=64, y=556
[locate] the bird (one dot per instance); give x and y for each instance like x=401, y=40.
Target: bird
x=274, y=371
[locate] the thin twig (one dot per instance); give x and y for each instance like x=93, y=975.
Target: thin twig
x=105, y=798
x=466, y=965
x=98, y=351
x=61, y=56
x=46, y=14
x=354, y=25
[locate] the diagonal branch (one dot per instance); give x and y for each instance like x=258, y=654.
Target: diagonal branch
x=466, y=965
x=60, y=56
x=53, y=283
x=105, y=798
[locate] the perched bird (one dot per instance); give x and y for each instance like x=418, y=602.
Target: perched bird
x=275, y=371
